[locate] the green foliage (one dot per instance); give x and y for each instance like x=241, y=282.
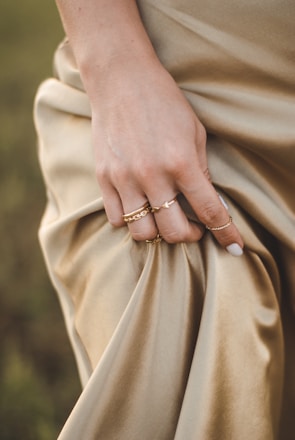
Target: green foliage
x=39, y=383
x=25, y=400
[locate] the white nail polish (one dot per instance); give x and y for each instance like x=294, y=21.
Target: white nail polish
x=235, y=250
x=223, y=201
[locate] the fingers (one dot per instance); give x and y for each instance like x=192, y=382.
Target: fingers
x=145, y=222
x=171, y=221
x=212, y=211
x=135, y=211
x=168, y=221
x=141, y=224
x=127, y=203
x=129, y=208
x=148, y=216
x=112, y=204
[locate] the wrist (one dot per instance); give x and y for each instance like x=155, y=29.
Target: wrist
x=96, y=65
x=105, y=34
x=112, y=73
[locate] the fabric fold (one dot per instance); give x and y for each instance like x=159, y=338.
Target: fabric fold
x=183, y=341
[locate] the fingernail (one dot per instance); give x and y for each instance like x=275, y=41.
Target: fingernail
x=235, y=250
x=223, y=201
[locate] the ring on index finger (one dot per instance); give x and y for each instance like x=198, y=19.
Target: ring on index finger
x=220, y=228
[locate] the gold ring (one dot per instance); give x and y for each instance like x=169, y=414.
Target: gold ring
x=219, y=228
x=155, y=240
x=165, y=205
x=137, y=214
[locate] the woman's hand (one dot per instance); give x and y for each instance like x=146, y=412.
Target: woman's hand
x=148, y=142
x=150, y=146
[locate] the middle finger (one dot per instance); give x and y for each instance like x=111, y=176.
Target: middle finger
x=172, y=223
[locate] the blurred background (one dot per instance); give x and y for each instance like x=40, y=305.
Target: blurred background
x=39, y=382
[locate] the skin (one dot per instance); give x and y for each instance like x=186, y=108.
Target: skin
x=143, y=152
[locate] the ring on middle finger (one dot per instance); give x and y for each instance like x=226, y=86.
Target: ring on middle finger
x=165, y=205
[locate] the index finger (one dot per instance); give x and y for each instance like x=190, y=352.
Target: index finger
x=211, y=211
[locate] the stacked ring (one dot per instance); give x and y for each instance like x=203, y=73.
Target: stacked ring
x=137, y=214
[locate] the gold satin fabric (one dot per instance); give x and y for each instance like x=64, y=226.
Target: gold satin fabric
x=184, y=342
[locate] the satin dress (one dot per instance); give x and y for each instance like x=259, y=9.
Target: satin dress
x=183, y=342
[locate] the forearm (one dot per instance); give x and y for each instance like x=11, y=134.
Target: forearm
x=103, y=33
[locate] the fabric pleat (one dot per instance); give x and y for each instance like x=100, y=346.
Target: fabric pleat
x=183, y=342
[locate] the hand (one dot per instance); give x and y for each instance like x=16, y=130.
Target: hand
x=150, y=146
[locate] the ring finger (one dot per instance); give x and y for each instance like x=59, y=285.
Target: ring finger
x=138, y=217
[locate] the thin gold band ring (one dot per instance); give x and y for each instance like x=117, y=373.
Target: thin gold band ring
x=165, y=205
x=219, y=228
x=155, y=240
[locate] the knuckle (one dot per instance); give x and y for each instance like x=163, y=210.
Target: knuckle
x=173, y=237
x=228, y=236
x=142, y=236
x=117, y=222
x=209, y=214
x=183, y=235
x=101, y=171
x=114, y=172
x=177, y=164
x=143, y=229
x=201, y=136
x=143, y=170
x=180, y=165
x=119, y=174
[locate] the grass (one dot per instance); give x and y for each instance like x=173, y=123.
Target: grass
x=39, y=383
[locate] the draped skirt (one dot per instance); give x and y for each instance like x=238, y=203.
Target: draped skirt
x=183, y=341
